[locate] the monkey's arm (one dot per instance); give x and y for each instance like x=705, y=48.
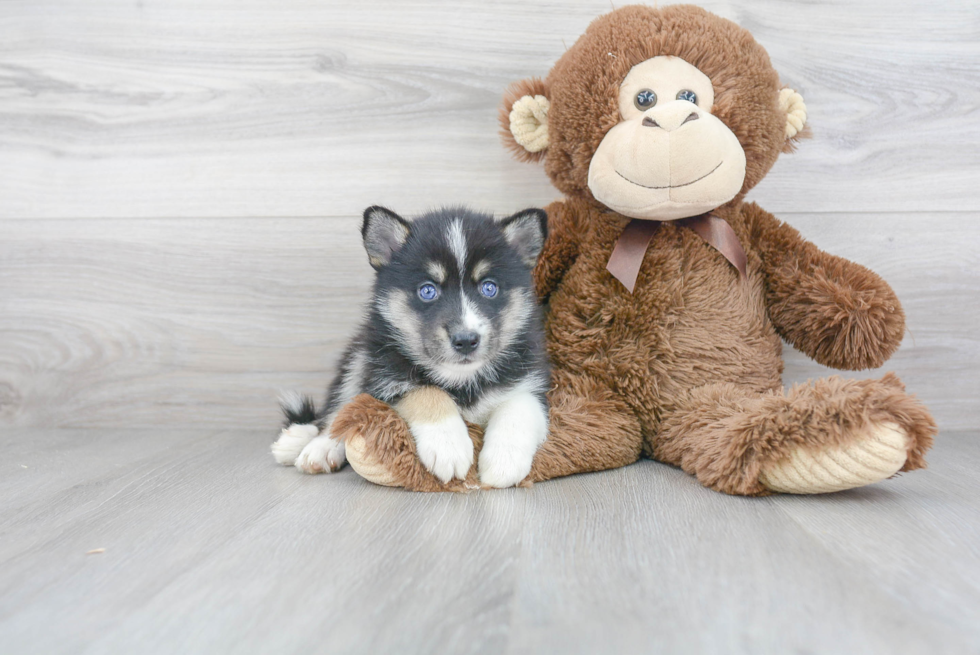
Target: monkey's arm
x=560, y=249
x=837, y=312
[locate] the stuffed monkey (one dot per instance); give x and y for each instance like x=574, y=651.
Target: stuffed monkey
x=667, y=293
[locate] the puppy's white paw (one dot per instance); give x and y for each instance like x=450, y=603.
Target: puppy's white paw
x=515, y=431
x=292, y=441
x=444, y=447
x=504, y=466
x=322, y=455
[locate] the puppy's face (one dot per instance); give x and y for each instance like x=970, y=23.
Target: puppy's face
x=454, y=286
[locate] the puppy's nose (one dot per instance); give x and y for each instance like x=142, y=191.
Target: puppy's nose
x=465, y=342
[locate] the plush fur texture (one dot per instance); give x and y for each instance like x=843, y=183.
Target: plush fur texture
x=584, y=86
x=687, y=368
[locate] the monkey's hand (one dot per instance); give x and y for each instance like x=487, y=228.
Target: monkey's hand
x=836, y=311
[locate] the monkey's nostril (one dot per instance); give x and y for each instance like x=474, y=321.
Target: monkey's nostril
x=649, y=122
x=693, y=116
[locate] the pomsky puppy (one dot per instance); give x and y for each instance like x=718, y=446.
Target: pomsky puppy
x=453, y=332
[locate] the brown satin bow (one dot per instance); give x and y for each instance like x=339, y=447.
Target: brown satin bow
x=627, y=257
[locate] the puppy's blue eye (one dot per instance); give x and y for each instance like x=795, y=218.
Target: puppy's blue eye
x=688, y=95
x=428, y=291
x=645, y=99
x=488, y=288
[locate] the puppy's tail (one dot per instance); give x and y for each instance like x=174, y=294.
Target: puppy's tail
x=298, y=409
x=302, y=424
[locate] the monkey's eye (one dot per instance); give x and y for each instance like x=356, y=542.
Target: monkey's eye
x=645, y=99
x=688, y=95
x=488, y=288
x=428, y=292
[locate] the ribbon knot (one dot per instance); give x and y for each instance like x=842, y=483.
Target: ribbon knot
x=627, y=257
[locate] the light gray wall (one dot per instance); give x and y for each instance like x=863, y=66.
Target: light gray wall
x=180, y=182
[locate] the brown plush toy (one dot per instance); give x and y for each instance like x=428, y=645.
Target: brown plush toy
x=667, y=294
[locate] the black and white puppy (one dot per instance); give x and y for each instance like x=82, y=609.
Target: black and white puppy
x=453, y=332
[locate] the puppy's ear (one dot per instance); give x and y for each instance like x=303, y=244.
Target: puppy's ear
x=384, y=233
x=526, y=231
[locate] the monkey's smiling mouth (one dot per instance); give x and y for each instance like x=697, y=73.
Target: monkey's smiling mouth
x=676, y=186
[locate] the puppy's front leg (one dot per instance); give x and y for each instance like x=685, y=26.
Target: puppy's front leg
x=517, y=427
x=441, y=438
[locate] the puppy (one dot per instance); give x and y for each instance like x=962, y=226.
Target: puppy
x=453, y=332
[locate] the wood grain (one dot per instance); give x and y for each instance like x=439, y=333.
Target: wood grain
x=211, y=548
x=180, y=181
x=191, y=323
x=172, y=322
x=306, y=108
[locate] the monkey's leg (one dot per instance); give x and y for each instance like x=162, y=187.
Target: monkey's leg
x=830, y=435
x=591, y=429
x=380, y=447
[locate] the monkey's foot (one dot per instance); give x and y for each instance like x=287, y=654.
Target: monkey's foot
x=381, y=449
x=877, y=454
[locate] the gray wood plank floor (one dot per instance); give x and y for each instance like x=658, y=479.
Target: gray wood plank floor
x=211, y=548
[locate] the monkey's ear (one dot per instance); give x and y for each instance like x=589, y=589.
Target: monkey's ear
x=526, y=231
x=791, y=103
x=384, y=233
x=524, y=119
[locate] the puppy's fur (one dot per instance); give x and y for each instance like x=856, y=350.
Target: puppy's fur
x=453, y=332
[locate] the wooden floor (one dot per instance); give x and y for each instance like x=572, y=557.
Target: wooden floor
x=211, y=548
